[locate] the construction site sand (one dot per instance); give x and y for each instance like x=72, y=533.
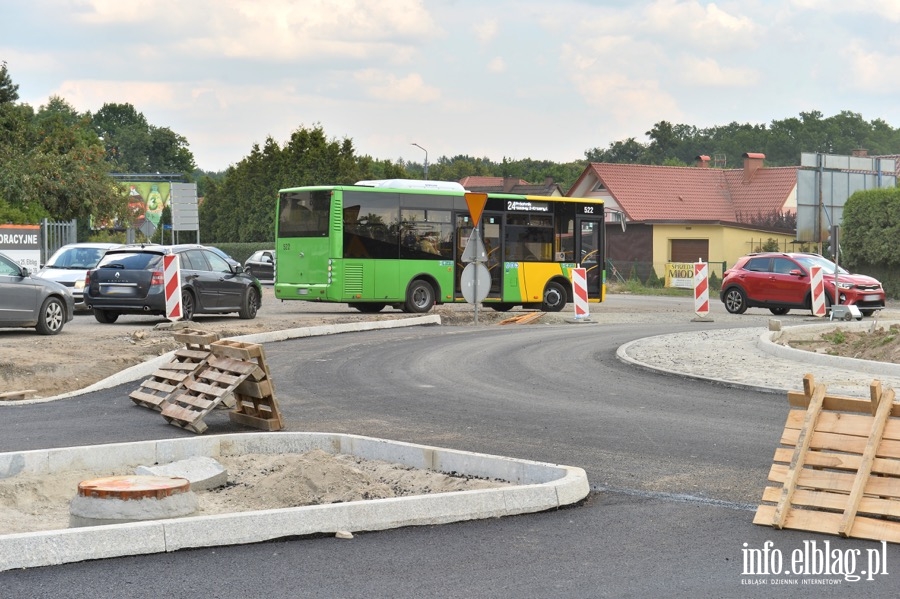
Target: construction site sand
x=31, y=503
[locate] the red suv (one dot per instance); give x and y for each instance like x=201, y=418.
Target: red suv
x=780, y=282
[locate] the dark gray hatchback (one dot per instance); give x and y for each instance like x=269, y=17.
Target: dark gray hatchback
x=29, y=301
x=129, y=280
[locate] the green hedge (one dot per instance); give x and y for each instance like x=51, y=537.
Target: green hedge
x=242, y=251
x=889, y=277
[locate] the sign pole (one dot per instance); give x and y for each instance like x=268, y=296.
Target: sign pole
x=475, y=282
x=476, y=203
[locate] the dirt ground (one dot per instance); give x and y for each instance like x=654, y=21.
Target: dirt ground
x=879, y=345
x=255, y=482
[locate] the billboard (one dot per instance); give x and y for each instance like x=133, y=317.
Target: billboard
x=146, y=201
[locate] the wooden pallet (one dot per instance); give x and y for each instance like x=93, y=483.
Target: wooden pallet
x=255, y=403
x=522, y=318
x=838, y=467
x=153, y=392
x=229, y=365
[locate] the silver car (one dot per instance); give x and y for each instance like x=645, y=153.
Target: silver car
x=29, y=301
x=69, y=265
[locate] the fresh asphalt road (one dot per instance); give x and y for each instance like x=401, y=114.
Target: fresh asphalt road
x=677, y=467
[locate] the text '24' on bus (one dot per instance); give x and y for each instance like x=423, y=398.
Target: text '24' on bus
x=400, y=243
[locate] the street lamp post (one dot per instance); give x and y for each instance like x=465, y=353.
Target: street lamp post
x=426, y=158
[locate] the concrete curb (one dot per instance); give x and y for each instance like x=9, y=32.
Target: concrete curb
x=538, y=487
x=767, y=344
x=622, y=356
x=144, y=369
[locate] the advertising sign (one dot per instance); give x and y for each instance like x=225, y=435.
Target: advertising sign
x=146, y=201
x=22, y=243
x=680, y=275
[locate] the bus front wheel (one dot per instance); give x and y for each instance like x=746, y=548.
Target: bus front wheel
x=419, y=297
x=554, y=298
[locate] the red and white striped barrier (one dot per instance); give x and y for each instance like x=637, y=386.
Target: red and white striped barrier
x=817, y=286
x=701, y=289
x=172, y=285
x=579, y=288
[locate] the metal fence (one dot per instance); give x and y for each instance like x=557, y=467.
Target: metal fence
x=55, y=235
x=654, y=274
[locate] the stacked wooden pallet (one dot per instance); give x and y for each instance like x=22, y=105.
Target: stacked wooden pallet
x=838, y=469
x=153, y=392
x=231, y=370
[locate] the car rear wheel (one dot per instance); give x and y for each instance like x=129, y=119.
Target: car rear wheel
x=735, y=301
x=52, y=317
x=779, y=311
x=187, y=305
x=419, y=297
x=250, y=305
x=105, y=316
x=867, y=313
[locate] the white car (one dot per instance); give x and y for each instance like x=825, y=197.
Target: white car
x=69, y=265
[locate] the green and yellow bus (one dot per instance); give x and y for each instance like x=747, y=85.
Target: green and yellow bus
x=400, y=243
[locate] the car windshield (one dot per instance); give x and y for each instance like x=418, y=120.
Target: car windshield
x=76, y=258
x=827, y=265
x=131, y=260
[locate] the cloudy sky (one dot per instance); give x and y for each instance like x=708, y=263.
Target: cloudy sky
x=487, y=78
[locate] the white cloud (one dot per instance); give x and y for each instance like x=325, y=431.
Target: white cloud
x=708, y=72
x=871, y=71
x=486, y=30
x=702, y=24
x=388, y=87
x=276, y=29
x=496, y=65
x=882, y=9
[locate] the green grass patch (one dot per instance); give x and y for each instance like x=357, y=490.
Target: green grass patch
x=634, y=287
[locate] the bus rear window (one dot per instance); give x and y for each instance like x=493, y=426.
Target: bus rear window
x=304, y=214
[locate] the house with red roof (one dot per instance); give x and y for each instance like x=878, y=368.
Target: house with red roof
x=485, y=184
x=663, y=214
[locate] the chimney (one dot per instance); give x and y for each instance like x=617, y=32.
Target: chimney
x=509, y=183
x=752, y=162
x=702, y=161
x=860, y=153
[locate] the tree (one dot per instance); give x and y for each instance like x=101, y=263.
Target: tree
x=9, y=92
x=132, y=145
x=242, y=206
x=870, y=227
x=628, y=151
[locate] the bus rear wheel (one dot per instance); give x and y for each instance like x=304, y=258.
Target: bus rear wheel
x=554, y=297
x=419, y=297
x=368, y=308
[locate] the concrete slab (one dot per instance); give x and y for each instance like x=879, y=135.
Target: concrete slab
x=202, y=472
x=538, y=487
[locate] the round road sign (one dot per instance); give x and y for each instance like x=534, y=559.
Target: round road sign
x=475, y=272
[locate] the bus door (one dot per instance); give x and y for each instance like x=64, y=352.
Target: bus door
x=490, y=236
x=588, y=252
